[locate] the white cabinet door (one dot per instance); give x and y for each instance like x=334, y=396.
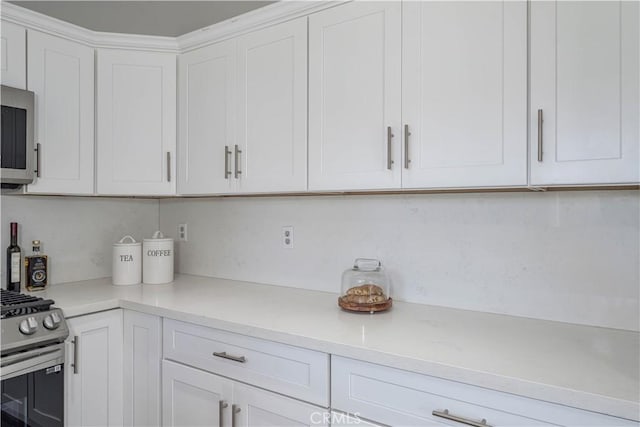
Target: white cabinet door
x=136, y=114
x=207, y=85
x=585, y=80
x=61, y=75
x=258, y=408
x=13, y=49
x=93, y=386
x=191, y=397
x=272, y=109
x=340, y=419
x=142, y=367
x=464, y=99
x=354, y=97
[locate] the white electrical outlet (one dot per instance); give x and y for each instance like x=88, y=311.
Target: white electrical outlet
x=287, y=237
x=182, y=232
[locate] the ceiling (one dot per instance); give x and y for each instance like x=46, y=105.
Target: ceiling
x=161, y=18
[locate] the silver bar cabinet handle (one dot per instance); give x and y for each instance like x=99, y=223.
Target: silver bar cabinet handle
x=234, y=410
x=227, y=153
x=389, y=139
x=75, y=342
x=540, y=120
x=37, y=150
x=407, y=134
x=168, y=166
x=224, y=355
x=237, y=160
x=223, y=405
x=445, y=414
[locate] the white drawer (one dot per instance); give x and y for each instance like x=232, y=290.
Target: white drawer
x=293, y=371
x=401, y=398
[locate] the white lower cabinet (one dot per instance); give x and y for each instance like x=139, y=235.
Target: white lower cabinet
x=401, y=398
x=341, y=419
x=182, y=374
x=142, y=367
x=192, y=397
x=286, y=369
x=93, y=377
x=201, y=394
x=259, y=408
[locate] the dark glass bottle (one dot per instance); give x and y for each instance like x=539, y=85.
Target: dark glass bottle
x=14, y=255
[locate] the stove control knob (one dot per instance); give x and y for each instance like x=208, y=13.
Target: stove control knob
x=52, y=321
x=28, y=326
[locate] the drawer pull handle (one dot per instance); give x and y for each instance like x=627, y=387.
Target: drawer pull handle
x=445, y=414
x=76, y=342
x=234, y=410
x=389, y=151
x=38, y=169
x=237, y=171
x=168, y=166
x=227, y=154
x=407, y=134
x=224, y=355
x=540, y=121
x=223, y=405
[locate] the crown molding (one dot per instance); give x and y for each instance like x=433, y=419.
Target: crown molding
x=266, y=16
x=281, y=11
x=56, y=27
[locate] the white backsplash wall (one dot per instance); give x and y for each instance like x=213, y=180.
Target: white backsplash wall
x=76, y=232
x=566, y=256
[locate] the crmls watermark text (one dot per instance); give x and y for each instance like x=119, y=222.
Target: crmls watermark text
x=334, y=418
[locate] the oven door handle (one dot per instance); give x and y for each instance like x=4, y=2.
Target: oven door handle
x=31, y=361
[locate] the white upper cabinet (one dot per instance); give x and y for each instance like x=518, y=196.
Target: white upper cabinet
x=585, y=86
x=271, y=152
x=354, y=97
x=207, y=84
x=136, y=114
x=13, y=49
x=243, y=122
x=464, y=94
x=61, y=76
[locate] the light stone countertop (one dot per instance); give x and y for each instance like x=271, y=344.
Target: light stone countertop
x=591, y=368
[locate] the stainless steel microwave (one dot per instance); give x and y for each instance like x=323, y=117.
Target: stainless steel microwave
x=17, y=135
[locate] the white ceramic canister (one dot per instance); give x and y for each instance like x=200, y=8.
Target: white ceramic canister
x=157, y=263
x=127, y=262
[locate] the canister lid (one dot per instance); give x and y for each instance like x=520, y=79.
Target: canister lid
x=158, y=237
x=122, y=242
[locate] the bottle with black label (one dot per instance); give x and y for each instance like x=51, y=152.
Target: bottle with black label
x=14, y=256
x=35, y=267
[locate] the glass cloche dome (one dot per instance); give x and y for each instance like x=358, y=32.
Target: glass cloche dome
x=365, y=287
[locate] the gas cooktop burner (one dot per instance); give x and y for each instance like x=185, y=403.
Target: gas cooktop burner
x=17, y=304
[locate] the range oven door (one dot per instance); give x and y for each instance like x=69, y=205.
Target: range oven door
x=33, y=388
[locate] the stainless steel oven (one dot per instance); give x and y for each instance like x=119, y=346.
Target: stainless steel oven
x=17, y=137
x=32, y=362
